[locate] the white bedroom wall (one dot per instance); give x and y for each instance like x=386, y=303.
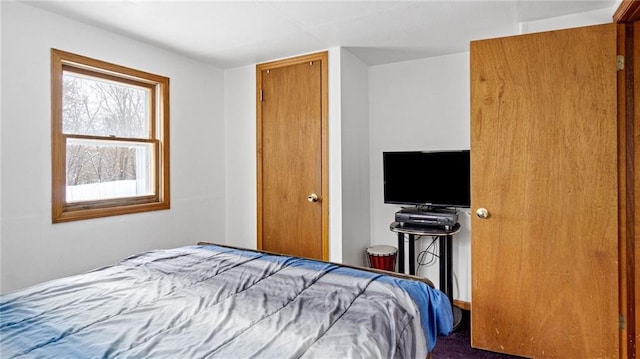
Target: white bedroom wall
x=32, y=249
x=354, y=87
x=419, y=105
x=335, y=156
x=587, y=18
x=240, y=156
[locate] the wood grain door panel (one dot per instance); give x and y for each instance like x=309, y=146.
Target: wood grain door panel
x=291, y=158
x=544, y=163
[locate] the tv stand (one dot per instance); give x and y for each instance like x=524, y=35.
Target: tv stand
x=445, y=238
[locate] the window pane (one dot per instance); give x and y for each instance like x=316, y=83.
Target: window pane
x=94, y=106
x=99, y=169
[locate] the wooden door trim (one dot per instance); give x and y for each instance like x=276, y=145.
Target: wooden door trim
x=628, y=11
x=629, y=207
x=624, y=103
x=633, y=219
x=323, y=57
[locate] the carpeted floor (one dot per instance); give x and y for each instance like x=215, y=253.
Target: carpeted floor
x=458, y=345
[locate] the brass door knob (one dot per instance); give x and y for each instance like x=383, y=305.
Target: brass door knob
x=482, y=213
x=312, y=197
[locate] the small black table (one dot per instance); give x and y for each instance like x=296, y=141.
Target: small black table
x=445, y=237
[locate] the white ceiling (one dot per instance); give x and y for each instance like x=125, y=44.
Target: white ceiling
x=236, y=33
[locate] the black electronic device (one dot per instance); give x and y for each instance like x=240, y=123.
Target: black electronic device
x=416, y=217
x=427, y=178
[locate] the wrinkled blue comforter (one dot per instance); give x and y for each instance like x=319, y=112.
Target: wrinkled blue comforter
x=217, y=302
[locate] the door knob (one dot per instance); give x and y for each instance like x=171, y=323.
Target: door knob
x=482, y=213
x=312, y=197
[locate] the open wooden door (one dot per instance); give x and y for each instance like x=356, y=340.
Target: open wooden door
x=292, y=156
x=544, y=165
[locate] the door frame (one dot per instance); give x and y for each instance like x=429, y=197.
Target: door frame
x=323, y=57
x=627, y=17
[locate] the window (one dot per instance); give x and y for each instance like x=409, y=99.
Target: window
x=110, y=139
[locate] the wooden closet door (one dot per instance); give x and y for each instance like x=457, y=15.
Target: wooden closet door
x=544, y=165
x=292, y=156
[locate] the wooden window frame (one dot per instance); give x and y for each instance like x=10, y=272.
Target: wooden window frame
x=62, y=211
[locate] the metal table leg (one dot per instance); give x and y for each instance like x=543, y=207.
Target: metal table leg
x=400, y=252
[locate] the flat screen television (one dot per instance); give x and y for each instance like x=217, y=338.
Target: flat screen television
x=427, y=178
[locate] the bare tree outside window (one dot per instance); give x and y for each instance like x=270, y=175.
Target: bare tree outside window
x=101, y=108
x=98, y=107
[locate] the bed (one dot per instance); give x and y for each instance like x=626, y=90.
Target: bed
x=212, y=301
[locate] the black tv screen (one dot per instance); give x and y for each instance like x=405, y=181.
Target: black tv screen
x=422, y=178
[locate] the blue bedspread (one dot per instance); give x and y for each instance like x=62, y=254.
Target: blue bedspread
x=217, y=302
